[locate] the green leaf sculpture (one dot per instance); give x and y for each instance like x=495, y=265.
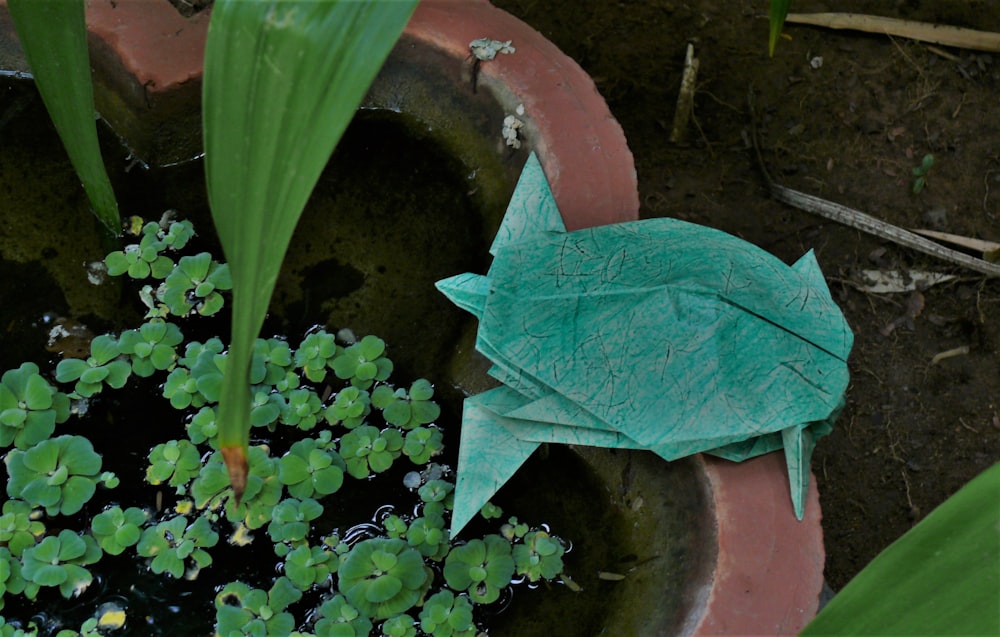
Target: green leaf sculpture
x=282, y=81
x=655, y=334
x=54, y=38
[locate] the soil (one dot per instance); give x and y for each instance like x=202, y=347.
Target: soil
x=844, y=116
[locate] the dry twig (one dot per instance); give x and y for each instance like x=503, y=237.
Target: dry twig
x=922, y=31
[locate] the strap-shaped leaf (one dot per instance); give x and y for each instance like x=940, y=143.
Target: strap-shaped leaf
x=940, y=578
x=776, y=16
x=53, y=34
x=282, y=81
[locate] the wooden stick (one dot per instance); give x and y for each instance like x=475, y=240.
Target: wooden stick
x=685, y=98
x=985, y=247
x=925, y=32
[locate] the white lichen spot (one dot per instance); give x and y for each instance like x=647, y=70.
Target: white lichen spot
x=346, y=335
x=57, y=333
x=412, y=480
x=511, y=126
x=487, y=49
x=79, y=407
x=96, y=272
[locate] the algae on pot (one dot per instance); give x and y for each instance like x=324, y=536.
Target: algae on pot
x=330, y=430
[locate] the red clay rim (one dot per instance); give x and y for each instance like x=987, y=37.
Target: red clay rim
x=579, y=143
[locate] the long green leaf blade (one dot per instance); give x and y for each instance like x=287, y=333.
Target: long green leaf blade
x=282, y=82
x=777, y=15
x=53, y=34
x=941, y=578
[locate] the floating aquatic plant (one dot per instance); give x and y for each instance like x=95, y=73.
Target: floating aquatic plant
x=445, y=615
x=368, y=449
x=482, y=568
x=309, y=469
x=308, y=566
x=338, y=617
x=539, y=556
x=58, y=474
x=291, y=522
x=407, y=409
x=104, y=366
x=116, y=530
x=152, y=347
x=175, y=462
x=194, y=286
x=242, y=610
x=315, y=353
x=177, y=547
x=363, y=363
x=60, y=560
x=30, y=407
x=382, y=577
x=350, y=407
x=20, y=527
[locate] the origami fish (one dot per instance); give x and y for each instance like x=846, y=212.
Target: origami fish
x=656, y=334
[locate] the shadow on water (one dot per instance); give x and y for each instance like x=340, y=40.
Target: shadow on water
x=391, y=215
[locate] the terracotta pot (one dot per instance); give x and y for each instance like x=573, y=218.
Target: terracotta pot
x=754, y=569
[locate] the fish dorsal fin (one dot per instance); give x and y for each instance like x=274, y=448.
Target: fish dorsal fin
x=532, y=210
x=467, y=291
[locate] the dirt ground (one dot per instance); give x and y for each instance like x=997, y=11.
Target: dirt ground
x=847, y=117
